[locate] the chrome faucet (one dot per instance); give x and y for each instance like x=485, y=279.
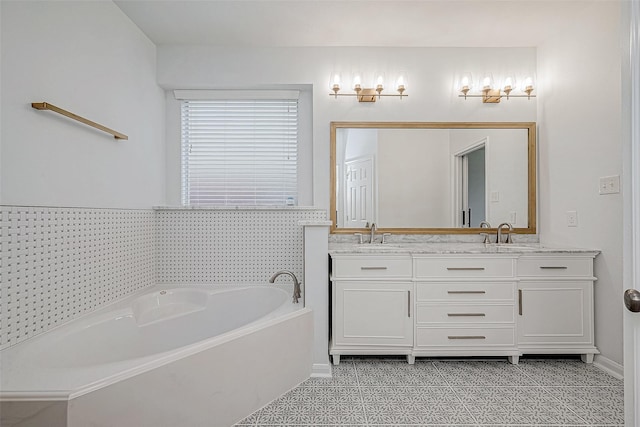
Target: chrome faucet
x=374, y=227
x=296, y=284
x=499, y=233
x=485, y=224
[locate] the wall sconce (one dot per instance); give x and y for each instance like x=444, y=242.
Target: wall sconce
x=368, y=94
x=492, y=93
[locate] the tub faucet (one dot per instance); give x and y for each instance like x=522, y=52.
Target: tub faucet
x=374, y=227
x=485, y=224
x=499, y=233
x=296, y=284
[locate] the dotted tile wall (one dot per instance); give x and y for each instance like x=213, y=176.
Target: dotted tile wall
x=59, y=263
x=229, y=246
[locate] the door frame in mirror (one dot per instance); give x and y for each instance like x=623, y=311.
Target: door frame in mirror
x=531, y=174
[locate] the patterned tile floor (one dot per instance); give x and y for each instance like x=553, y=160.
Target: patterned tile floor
x=390, y=392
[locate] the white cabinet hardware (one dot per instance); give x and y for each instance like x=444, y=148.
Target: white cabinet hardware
x=465, y=314
x=466, y=292
x=467, y=337
x=520, y=302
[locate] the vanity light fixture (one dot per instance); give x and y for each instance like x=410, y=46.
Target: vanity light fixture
x=492, y=93
x=368, y=94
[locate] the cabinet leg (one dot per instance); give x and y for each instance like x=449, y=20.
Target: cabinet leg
x=336, y=359
x=587, y=358
x=411, y=359
x=513, y=359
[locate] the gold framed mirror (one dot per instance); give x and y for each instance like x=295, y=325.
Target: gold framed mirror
x=432, y=177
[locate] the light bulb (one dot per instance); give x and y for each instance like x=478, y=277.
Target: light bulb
x=379, y=82
x=357, y=82
x=508, y=83
x=465, y=84
x=334, y=82
x=487, y=82
x=402, y=83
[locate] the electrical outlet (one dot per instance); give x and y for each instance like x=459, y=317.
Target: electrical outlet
x=495, y=196
x=512, y=217
x=572, y=219
x=609, y=184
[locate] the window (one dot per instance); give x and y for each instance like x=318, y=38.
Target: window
x=239, y=152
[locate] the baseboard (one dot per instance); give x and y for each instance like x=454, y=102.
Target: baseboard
x=609, y=366
x=321, y=370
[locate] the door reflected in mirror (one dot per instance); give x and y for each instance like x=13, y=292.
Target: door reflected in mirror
x=473, y=186
x=433, y=177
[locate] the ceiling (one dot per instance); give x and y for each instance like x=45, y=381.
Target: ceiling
x=389, y=23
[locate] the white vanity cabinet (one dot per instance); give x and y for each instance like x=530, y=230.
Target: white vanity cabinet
x=372, y=304
x=465, y=306
x=555, y=304
x=487, y=302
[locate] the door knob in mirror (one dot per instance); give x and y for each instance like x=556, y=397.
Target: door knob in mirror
x=632, y=300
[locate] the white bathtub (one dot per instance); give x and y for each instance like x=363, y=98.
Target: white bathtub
x=182, y=356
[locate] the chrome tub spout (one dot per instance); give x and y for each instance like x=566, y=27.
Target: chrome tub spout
x=296, y=285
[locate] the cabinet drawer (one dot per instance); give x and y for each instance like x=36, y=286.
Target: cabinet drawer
x=465, y=291
x=464, y=313
x=456, y=267
x=464, y=337
x=555, y=266
x=372, y=266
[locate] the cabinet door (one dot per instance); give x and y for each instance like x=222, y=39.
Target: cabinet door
x=367, y=313
x=555, y=312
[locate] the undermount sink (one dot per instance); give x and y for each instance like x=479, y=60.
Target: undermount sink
x=376, y=246
x=512, y=247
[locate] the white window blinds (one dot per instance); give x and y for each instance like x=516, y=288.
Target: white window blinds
x=239, y=152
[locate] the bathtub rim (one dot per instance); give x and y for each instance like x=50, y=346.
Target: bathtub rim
x=150, y=362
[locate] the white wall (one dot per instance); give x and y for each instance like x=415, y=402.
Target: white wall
x=507, y=157
x=580, y=140
x=90, y=59
x=413, y=178
x=358, y=143
x=432, y=72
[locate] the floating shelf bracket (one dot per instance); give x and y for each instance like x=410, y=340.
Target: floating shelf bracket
x=47, y=106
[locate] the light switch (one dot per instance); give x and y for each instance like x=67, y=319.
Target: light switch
x=512, y=217
x=609, y=184
x=495, y=196
x=572, y=218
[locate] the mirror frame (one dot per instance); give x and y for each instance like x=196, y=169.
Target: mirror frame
x=532, y=180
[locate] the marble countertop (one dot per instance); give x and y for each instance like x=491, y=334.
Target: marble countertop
x=450, y=248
